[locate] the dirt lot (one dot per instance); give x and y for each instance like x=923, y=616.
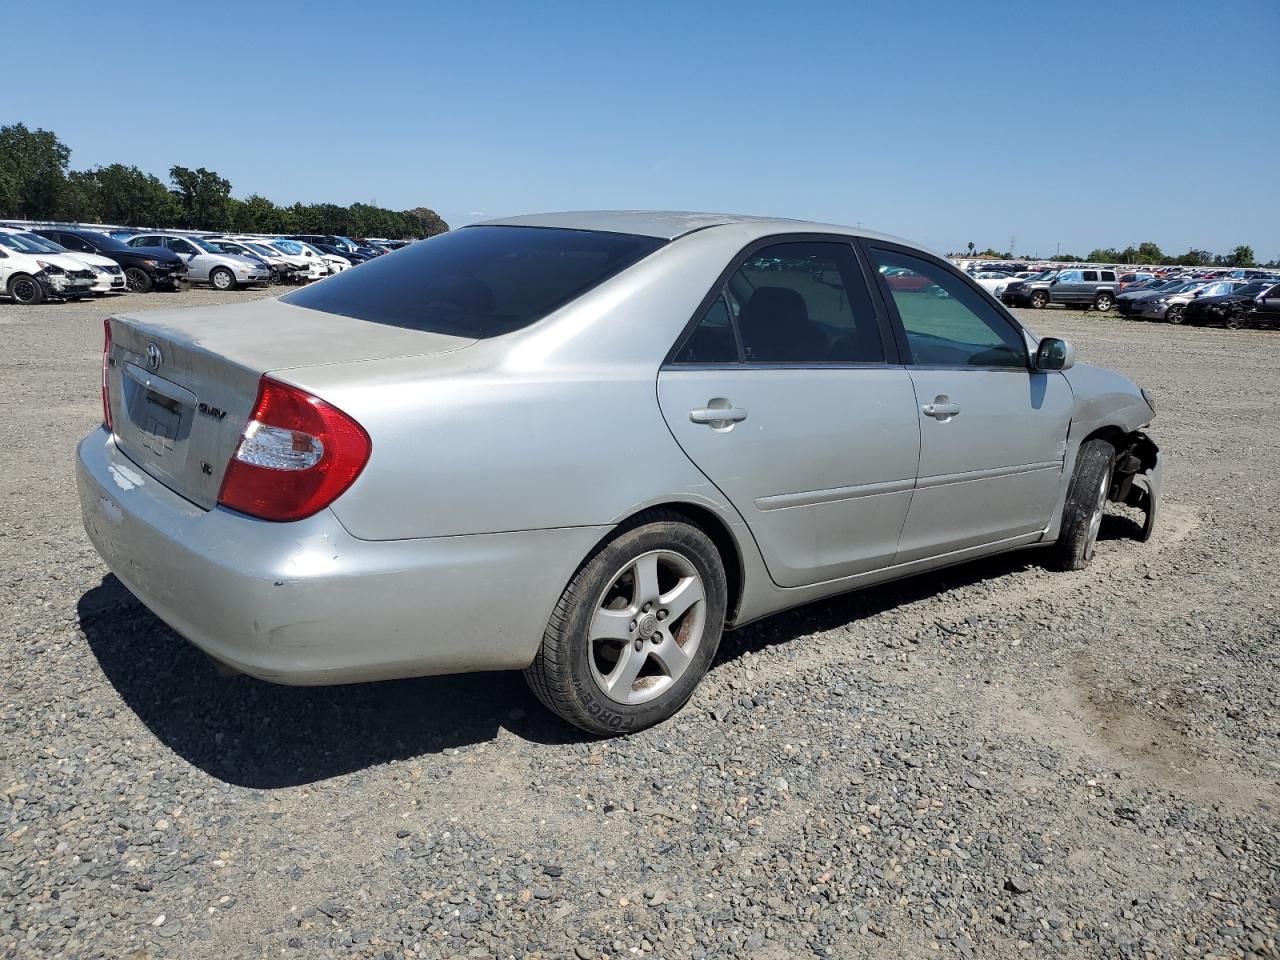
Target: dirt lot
x=992, y=761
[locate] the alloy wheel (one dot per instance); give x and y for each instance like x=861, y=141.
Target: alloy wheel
x=1095, y=519
x=647, y=626
x=24, y=290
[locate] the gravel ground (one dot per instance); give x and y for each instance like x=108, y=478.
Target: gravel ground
x=990, y=761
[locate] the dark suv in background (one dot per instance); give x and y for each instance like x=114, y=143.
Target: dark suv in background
x=145, y=268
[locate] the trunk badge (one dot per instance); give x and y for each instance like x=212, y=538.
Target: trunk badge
x=154, y=359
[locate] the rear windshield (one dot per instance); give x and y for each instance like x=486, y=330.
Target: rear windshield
x=477, y=281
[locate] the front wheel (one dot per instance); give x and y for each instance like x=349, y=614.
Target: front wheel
x=1086, y=502
x=1103, y=302
x=25, y=290
x=1234, y=320
x=1039, y=300
x=222, y=279
x=635, y=630
x=1174, y=313
x=137, y=280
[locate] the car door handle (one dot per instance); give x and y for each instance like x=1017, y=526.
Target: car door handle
x=718, y=415
x=942, y=408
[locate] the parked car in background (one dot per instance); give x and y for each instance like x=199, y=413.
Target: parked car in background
x=144, y=269
x=1125, y=279
x=207, y=264
x=283, y=269
x=30, y=274
x=352, y=256
x=404, y=474
x=1266, y=308
x=1228, y=309
x=317, y=262
x=992, y=281
x=108, y=277
x=335, y=262
x=1168, y=305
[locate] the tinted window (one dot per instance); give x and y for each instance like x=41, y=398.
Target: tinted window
x=477, y=281
x=712, y=340
x=1091, y=276
x=181, y=246
x=946, y=321
x=804, y=303
x=72, y=242
x=1108, y=276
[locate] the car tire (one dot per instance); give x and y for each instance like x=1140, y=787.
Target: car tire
x=613, y=659
x=1234, y=320
x=1103, y=302
x=25, y=289
x=1174, y=313
x=222, y=279
x=1085, y=504
x=1039, y=300
x=137, y=280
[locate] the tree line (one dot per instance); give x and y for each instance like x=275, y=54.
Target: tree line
x=37, y=183
x=1148, y=252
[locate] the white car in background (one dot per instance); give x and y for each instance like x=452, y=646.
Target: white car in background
x=335, y=263
x=313, y=256
x=30, y=274
x=108, y=277
x=992, y=281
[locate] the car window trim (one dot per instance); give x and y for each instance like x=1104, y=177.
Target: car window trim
x=888, y=343
x=899, y=329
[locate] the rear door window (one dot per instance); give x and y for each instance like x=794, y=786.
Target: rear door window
x=478, y=281
x=1091, y=276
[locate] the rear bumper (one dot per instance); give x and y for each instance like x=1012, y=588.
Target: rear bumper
x=307, y=603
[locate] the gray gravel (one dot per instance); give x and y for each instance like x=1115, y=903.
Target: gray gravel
x=991, y=761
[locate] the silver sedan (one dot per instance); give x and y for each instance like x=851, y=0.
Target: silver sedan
x=583, y=445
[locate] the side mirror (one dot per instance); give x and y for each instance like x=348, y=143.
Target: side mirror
x=1053, y=281
x=1055, y=354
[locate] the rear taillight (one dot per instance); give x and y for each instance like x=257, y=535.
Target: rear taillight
x=106, y=383
x=296, y=455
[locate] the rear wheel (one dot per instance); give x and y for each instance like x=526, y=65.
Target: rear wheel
x=25, y=290
x=1039, y=299
x=1086, y=502
x=1103, y=302
x=137, y=280
x=222, y=278
x=635, y=630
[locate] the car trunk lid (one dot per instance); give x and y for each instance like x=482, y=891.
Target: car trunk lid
x=183, y=382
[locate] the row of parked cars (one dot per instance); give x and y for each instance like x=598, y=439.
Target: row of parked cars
x=39, y=262
x=1231, y=298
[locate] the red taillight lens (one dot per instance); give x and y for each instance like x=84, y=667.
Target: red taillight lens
x=296, y=455
x=106, y=384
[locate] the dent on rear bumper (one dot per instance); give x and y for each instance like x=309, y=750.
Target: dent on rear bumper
x=305, y=602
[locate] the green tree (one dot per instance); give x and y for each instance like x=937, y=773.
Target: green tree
x=203, y=196
x=124, y=194
x=33, y=172
x=1194, y=258
x=1242, y=256
x=1104, y=255
x=429, y=222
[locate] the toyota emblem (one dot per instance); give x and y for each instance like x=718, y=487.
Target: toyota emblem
x=154, y=358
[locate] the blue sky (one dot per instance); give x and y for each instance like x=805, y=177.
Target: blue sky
x=1085, y=124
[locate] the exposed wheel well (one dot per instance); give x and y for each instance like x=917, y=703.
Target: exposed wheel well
x=710, y=524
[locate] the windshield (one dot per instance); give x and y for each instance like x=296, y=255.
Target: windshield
x=263, y=249
x=208, y=246
x=347, y=242
x=20, y=244
x=288, y=246
x=308, y=246
x=478, y=281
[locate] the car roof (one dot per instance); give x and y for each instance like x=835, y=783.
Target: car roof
x=670, y=224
